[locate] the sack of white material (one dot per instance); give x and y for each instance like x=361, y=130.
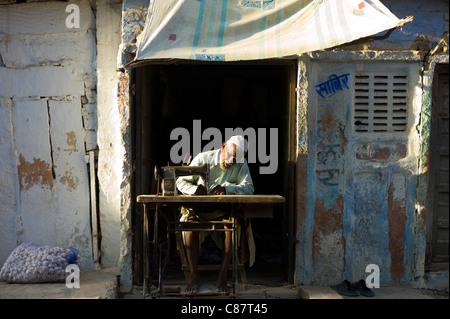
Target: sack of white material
x=32, y=263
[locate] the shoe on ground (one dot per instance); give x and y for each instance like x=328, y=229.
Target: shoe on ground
x=345, y=288
x=362, y=288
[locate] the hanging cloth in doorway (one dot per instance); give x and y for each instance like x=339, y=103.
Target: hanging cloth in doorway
x=233, y=30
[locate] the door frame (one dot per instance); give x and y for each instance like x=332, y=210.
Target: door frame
x=440, y=69
x=137, y=84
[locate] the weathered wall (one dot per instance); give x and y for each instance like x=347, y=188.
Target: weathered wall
x=60, y=97
x=134, y=13
x=47, y=105
x=366, y=193
x=110, y=152
x=424, y=191
x=361, y=187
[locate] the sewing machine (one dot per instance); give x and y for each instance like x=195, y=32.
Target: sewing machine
x=169, y=175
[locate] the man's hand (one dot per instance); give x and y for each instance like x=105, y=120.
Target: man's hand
x=218, y=190
x=201, y=190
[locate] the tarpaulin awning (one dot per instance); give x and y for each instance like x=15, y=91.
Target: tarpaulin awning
x=233, y=30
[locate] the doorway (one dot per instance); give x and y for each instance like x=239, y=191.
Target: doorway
x=258, y=95
x=437, y=257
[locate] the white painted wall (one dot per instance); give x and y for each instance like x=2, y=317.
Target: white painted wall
x=110, y=155
x=58, y=100
x=47, y=108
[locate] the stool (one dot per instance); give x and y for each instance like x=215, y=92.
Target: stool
x=211, y=226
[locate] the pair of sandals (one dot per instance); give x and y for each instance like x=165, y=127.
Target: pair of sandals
x=356, y=289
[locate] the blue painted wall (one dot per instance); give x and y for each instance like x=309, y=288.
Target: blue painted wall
x=361, y=187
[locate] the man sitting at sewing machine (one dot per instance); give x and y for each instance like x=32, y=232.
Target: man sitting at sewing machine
x=229, y=174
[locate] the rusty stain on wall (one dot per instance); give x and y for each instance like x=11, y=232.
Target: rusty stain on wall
x=327, y=221
x=397, y=221
x=330, y=144
x=380, y=152
x=328, y=243
x=36, y=173
x=72, y=142
x=330, y=123
x=69, y=180
x=122, y=91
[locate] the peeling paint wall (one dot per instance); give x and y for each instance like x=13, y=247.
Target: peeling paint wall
x=361, y=187
x=134, y=13
x=366, y=193
x=60, y=102
x=110, y=153
x=47, y=115
x=424, y=193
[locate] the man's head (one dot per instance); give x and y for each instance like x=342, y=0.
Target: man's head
x=233, y=151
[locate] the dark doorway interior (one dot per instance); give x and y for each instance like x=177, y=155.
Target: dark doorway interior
x=437, y=257
x=221, y=96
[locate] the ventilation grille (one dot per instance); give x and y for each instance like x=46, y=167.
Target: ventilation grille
x=381, y=102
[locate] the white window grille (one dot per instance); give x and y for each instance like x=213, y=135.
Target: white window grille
x=381, y=102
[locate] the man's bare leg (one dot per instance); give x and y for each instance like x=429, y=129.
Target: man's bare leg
x=221, y=284
x=192, y=249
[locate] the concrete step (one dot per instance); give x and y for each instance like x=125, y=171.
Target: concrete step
x=316, y=292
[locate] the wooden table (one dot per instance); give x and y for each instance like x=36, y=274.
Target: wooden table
x=254, y=206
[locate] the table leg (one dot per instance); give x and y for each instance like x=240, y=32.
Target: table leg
x=235, y=252
x=145, y=252
x=156, y=253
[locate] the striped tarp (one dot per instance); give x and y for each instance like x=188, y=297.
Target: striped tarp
x=232, y=30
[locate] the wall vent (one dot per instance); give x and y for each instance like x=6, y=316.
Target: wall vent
x=381, y=102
